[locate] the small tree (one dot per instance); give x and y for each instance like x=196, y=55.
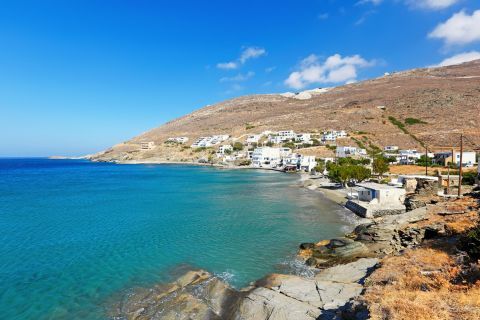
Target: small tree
x=320, y=167
x=269, y=144
x=380, y=165
x=237, y=146
x=360, y=173
x=424, y=160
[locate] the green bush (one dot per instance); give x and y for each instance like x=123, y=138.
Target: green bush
x=397, y=123
x=470, y=243
x=348, y=173
x=237, y=146
x=412, y=121
x=380, y=165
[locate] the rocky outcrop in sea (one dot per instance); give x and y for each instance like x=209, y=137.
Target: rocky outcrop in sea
x=200, y=295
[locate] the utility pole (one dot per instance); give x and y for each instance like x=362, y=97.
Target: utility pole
x=426, y=161
x=460, y=171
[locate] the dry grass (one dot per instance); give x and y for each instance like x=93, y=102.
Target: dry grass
x=419, y=285
x=412, y=169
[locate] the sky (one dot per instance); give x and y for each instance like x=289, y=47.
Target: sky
x=79, y=76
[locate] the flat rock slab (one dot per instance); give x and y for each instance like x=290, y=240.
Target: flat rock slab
x=263, y=303
x=353, y=272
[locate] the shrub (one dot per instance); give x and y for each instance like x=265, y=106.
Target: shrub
x=380, y=165
x=237, y=146
x=412, y=121
x=397, y=123
x=470, y=243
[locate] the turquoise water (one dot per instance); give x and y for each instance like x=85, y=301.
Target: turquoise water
x=74, y=234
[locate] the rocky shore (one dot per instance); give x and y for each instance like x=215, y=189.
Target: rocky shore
x=342, y=267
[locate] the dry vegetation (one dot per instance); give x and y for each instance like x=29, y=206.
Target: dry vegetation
x=413, y=169
x=435, y=281
x=426, y=283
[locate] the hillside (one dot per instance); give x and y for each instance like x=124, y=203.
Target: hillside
x=446, y=100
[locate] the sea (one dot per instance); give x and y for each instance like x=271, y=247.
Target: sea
x=75, y=234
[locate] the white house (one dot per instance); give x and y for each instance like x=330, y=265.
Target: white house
x=147, y=145
x=304, y=137
x=307, y=163
x=375, y=193
x=390, y=148
x=226, y=148
x=376, y=199
x=409, y=156
x=254, y=138
x=344, y=152
x=333, y=135
x=266, y=157
x=180, y=140
x=205, y=142
x=299, y=162
x=287, y=135
x=468, y=158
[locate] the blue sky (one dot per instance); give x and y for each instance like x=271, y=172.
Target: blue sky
x=79, y=76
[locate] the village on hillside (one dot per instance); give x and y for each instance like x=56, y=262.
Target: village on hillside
x=377, y=179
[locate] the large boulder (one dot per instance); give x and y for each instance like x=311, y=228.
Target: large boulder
x=281, y=297
x=336, y=251
x=195, y=295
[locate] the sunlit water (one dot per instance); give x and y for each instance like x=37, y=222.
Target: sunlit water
x=73, y=234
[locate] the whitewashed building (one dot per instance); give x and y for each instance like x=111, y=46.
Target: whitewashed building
x=468, y=158
x=205, y=142
x=282, y=136
x=390, y=148
x=180, y=140
x=253, y=138
x=333, y=135
x=376, y=199
x=266, y=157
x=410, y=156
x=226, y=148
x=344, y=152
x=303, y=138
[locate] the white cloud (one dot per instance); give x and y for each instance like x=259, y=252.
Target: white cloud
x=459, y=58
x=251, y=53
x=374, y=2
x=335, y=69
x=239, y=77
x=460, y=29
x=227, y=65
x=432, y=4
x=247, y=54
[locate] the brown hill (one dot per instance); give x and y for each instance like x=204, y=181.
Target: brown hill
x=446, y=101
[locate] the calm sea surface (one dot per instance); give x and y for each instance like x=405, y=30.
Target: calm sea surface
x=75, y=234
